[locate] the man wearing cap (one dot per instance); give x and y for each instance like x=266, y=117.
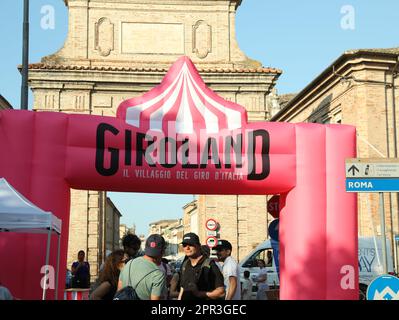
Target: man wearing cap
x=143, y=273
x=230, y=269
x=201, y=279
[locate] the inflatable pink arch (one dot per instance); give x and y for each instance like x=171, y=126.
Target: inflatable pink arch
x=183, y=138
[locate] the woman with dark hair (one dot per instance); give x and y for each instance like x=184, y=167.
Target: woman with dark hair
x=109, y=276
x=81, y=272
x=132, y=246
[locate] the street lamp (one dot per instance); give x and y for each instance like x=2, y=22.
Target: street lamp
x=25, y=57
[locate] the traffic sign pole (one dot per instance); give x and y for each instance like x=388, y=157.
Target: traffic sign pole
x=384, y=242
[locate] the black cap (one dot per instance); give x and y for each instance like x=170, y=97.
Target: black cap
x=154, y=245
x=191, y=239
x=223, y=244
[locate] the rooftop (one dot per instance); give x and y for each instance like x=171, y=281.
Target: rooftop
x=375, y=50
x=341, y=60
x=44, y=66
x=4, y=104
x=164, y=222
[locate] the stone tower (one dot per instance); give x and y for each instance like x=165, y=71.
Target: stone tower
x=118, y=49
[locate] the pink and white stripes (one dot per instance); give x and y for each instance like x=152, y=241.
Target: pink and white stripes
x=182, y=103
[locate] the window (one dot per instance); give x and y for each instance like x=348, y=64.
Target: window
x=266, y=255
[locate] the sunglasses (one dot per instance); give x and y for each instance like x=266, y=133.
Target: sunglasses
x=187, y=245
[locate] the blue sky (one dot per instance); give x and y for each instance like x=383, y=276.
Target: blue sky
x=300, y=37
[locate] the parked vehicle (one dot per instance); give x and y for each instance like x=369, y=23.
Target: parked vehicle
x=249, y=263
x=369, y=255
x=371, y=262
x=178, y=264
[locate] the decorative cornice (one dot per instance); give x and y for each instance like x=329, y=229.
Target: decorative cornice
x=44, y=66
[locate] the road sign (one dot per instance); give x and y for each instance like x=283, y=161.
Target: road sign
x=372, y=168
x=385, y=287
x=374, y=175
x=211, y=233
x=211, y=224
x=212, y=242
x=273, y=206
x=273, y=229
x=397, y=238
x=372, y=185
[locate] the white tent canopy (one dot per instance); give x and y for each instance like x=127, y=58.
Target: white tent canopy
x=18, y=214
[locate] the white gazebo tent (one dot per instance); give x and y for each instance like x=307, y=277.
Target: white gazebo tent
x=18, y=214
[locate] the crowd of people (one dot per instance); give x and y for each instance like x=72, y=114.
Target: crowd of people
x=199, y=277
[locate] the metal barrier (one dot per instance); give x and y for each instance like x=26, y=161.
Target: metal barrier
x=76, y=294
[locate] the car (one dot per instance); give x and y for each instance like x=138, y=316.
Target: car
x=249, y=263
x=179, y=263
x=369, y=258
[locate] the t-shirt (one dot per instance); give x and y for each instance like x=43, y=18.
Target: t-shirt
x=247, y=285
x=203, y=280
x=81, y=278
x=230, y=269
x=262, y=286
x=262, y=274
x=152, y=284
x=165, y=268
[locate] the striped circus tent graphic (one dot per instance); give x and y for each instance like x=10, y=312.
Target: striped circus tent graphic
x=182, y=104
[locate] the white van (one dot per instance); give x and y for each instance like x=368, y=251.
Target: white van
x=249, y=263
x=370, y=263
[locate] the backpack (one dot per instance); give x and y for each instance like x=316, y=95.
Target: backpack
x=128, y=292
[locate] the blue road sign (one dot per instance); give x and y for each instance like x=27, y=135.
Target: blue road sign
x=385, y=287
x=273, y=229
x=372, y=185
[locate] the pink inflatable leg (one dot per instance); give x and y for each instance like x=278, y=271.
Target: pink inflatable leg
x=41, y=181
x=303, y=220
x=341, y=228
x=318, y=228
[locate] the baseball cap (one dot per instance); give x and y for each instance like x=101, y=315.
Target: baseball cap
x=223, y=244
x=154, y=245
x=191, y=239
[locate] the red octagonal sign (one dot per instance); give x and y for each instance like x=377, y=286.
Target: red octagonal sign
x=273, y=206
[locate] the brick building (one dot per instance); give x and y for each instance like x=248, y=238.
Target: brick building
x=360, y=88
x=119, y=49
x=112, y=226
x=242, y=220
x=172, y=231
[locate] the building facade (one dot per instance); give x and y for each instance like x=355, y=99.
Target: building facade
x=360, y=88
x=98, y=231
x=4, y=104
x=172, y=231
x=119, y=49
x=242, y=220
x=124, y=230
x=112, y=226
